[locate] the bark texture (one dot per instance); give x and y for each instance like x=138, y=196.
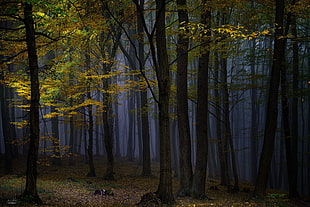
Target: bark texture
x=164, y=190
x=199, y=178
x=272, y=105
x=186, y=172
x=30, y=193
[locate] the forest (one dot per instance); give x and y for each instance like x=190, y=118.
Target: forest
x=150, y=103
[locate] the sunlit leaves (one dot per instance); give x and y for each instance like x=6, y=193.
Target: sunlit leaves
x=21, y=124
x=198, y=30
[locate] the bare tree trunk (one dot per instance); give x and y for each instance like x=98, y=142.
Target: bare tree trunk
x=254, y=118
x=218, y=114
x=199, y=177
x=228, y=134
x=72, y=146
x=292, y=144
x=186, y=171
x=164, y=190
x=91, y=172
x=31, y=192
x=108, y=141
x=5, y=116
x=55, y=139
x=116, y=134
x=131, y=126
x=146, y=171
x=272, y=105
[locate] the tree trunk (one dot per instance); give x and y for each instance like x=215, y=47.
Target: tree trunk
x=91, y=172
x=254, y=118
x=292, y=144
x=108, y=141
x=30, y=192
x=116, y=134
x=199, y=177
x=131, y=125
x=186, y=171
x=272, y=105
x=219, y=134
x=72, y=146
x=228, y=134
x=164, y=190
x=146, y=171
x=5, y=116
x=55, y=139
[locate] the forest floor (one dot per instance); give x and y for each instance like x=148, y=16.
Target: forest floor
x=69, y=186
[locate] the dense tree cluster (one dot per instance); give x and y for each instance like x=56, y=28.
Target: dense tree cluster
x=215, y=89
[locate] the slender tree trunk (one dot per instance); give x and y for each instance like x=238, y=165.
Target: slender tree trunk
x=5, y=116
x=31, y=192
x=234, y=165
x=72, y=146
x=91, y=172
x=272, y=105
x=108, y=51
x=174, y=146
x=116, y=133
x=199, y=177
x=186, y=171
x=131, y=124
x=107, y=127
x=55, y=139
x=108, y=141
x=146, y=171
x=292, y=143
x=225, y=119
x=83, y=136
x=219, y=134
x=228, y=134
x=254, y=118
x=97, y=130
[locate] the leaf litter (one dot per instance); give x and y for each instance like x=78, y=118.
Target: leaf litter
x=68, y=185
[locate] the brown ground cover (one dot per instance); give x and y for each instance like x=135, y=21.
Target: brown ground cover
x=68, y=186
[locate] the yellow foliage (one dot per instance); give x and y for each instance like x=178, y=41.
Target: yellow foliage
x=52, y=115
x=21, y=124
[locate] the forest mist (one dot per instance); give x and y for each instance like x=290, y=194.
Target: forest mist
x=105, y=79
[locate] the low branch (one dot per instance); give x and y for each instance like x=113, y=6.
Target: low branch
x=47, y=36
x=12, y=40
x=11, y=29
x=13, y=17
x=7, y=59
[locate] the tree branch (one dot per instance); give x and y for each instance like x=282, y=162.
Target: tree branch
x=47, y=36
x=11, y=29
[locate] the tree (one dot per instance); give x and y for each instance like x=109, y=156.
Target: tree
x=146, y=171
x=293, y=145
x=186, y=172
x=291, y=131
x=221, y=146
x=91, y=172
x=55, y=138
x=161, y=66
x=199, y=179
x=31, y=192
x=164, y=190
x=6, y=128
x=272, y=105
